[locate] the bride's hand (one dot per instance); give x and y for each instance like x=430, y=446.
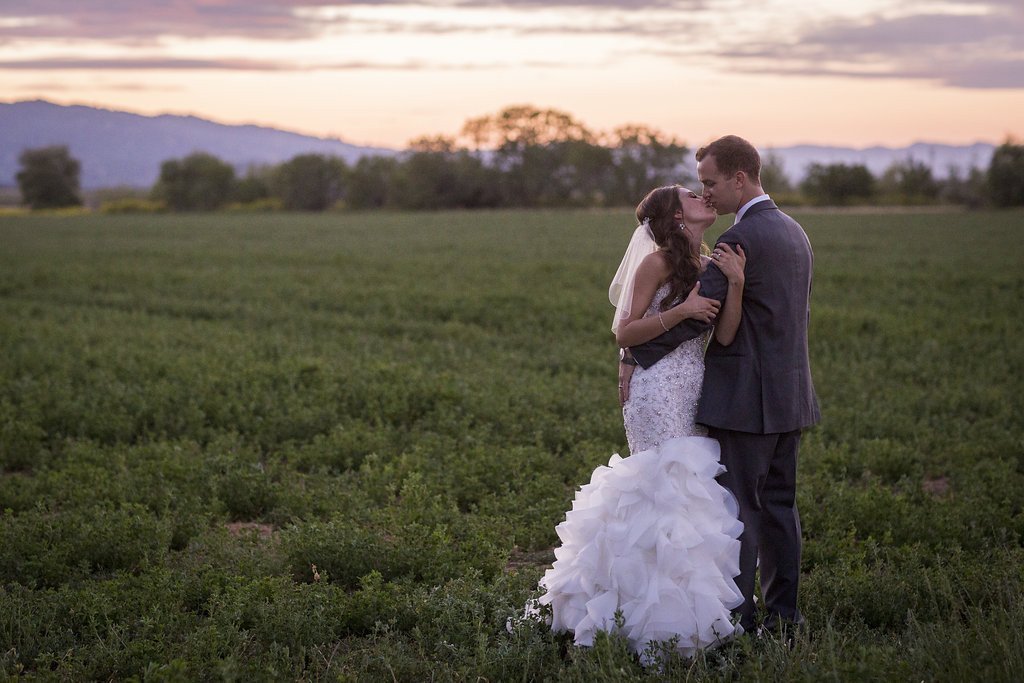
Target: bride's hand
x=625, y=375
x=699, y=307
x=730, y=262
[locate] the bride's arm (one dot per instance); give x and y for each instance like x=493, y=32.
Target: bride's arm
x=636, y=329
x=649, y=275
x=731, y=263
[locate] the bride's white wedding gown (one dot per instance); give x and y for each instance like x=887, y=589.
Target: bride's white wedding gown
x=652, y=536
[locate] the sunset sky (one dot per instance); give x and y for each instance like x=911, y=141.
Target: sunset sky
x=381, y=72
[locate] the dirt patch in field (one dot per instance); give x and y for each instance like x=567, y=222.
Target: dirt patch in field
x=264, y=531
x=937, y=486
x=522, y=559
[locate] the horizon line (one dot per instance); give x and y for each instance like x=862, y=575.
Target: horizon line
x=1007, y=137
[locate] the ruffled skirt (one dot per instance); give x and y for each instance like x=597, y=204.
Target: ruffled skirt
x=654, y=537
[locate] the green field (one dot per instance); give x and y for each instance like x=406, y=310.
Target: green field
x=196, y=410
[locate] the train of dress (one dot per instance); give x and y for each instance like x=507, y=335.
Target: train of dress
x=654, y=537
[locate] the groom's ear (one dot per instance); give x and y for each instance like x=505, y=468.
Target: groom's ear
x=740, y=178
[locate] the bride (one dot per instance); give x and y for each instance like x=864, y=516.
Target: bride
x=650, y=545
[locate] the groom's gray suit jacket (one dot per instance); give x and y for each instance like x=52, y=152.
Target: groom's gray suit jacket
x=761, y=383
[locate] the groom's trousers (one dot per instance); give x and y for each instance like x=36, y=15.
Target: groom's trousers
x=761, y=473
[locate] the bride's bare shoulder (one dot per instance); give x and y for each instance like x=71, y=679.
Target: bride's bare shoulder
x=656, y=263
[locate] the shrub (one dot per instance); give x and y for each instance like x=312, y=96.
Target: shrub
x=43, y=547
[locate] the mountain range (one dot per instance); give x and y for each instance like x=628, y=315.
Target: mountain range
x=118, y=148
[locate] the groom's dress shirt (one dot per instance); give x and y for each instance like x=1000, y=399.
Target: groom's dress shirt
x=743, y=209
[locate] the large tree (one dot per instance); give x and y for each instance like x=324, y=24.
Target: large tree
x=912, y=181
x=49, y=177
x=199, y=182
x=521, y=126
x=838, y=184
x=1006, y=175
x=773, y=175
x=371, y=183
x=435, y=175
x=309, y=182
x=532, y=148
x=970, y=189
x=644, y=158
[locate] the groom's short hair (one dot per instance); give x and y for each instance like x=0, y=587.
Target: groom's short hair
x=732, y=153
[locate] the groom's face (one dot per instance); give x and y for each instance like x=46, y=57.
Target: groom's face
x=720, y=191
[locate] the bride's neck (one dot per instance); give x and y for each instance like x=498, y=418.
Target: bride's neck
x=698, y=234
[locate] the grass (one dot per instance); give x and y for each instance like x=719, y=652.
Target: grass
x=196, y=410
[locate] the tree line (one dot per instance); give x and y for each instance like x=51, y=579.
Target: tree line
x=520, y=157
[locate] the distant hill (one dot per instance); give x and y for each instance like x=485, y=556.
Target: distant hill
x=940, y=158
x=121, y=148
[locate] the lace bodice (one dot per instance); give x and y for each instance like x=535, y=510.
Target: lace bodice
x=663, y=398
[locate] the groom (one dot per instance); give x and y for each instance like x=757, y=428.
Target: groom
x=757, y=394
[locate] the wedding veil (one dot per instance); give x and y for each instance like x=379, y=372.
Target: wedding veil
x=620, y=292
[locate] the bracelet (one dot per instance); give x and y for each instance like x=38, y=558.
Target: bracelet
x=662, y=321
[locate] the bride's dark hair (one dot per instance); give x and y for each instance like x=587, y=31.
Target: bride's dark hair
x=659, y=207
